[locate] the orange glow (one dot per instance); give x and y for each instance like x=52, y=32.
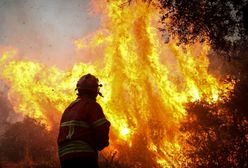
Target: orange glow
x=144, y=96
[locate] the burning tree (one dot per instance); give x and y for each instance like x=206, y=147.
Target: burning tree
x=146, y=86
x=218, y=132
x=29, y=144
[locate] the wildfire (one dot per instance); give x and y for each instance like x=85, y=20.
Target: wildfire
x=145, y=83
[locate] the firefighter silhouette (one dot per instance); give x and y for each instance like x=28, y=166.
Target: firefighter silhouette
x=84, y=130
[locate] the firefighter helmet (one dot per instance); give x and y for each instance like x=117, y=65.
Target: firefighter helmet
x=88, y=82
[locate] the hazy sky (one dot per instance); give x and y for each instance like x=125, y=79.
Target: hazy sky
x=45, y=29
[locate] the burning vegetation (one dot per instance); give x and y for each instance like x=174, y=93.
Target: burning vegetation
x=166, y=109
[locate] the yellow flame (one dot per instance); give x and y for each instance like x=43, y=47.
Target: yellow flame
x=145, y=82
x=79, y=44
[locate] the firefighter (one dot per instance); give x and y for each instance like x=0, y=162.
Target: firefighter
x=83, y=128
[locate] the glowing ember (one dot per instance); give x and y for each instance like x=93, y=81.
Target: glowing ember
x=145, y=83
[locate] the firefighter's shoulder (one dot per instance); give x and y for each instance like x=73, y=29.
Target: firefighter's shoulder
x=96, y=106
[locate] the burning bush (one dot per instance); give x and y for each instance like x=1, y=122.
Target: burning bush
x=218, y=132
x=29, y=144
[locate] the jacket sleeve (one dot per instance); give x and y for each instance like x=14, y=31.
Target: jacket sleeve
x=100, y=127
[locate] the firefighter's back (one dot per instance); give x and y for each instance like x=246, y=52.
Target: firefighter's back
x=75, y=140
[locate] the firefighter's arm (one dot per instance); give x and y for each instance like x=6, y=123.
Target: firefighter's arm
x=100, y=128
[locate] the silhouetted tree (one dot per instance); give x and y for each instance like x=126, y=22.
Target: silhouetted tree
x=29, y=142
x=223, y=23
x=218, y=132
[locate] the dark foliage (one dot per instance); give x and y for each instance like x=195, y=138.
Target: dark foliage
x=29, y=144
x=223, y=23
x=218, y=132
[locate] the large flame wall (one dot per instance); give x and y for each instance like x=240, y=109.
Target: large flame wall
x=145, y=84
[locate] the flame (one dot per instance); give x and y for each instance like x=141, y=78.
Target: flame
x=145, y=83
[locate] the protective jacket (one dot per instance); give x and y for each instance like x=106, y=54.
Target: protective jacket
x=83, y=130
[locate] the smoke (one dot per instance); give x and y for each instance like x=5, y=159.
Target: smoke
x=4, y=110
x=44, y=30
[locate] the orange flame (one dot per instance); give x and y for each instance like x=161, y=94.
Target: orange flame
x=145, y=83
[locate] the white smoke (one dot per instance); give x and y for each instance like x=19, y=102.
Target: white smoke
x=44, y=30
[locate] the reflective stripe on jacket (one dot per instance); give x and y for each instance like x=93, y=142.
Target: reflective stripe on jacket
x=83, y=129
x=74, y=147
